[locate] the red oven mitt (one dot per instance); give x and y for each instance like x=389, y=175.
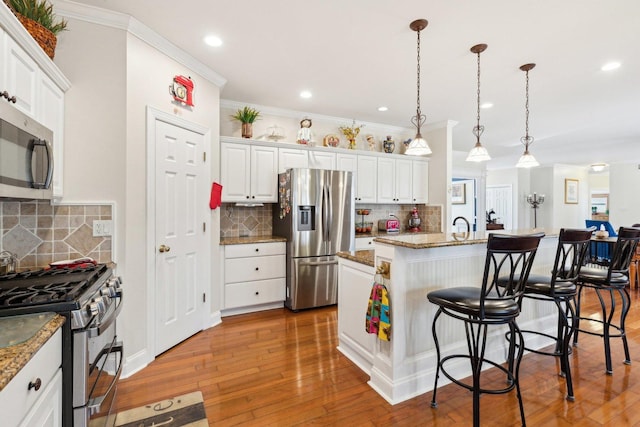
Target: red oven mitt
x=216, y=195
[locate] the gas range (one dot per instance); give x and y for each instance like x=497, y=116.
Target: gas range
x=89, y=296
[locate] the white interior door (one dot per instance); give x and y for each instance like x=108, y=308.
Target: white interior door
x=500, y=199
x=181, y=196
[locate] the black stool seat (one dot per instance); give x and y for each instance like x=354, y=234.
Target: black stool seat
x=488, y=305
x=466, y=300
x=541, y=285
x=598, y=276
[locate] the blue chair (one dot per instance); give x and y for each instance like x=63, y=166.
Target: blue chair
x=601, y=249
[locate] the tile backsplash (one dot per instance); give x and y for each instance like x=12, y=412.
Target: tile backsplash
x=39, y=233
x=236, y=221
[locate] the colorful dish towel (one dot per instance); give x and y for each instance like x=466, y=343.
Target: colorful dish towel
x=378, y=319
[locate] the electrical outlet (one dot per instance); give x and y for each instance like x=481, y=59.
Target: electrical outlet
x=102, y=228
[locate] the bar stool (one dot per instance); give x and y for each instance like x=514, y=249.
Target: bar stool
x=612, y=280
x=560, y=288
x=488, y=305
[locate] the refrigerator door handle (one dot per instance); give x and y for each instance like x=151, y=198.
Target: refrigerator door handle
x=325, y=214
x=318, y=263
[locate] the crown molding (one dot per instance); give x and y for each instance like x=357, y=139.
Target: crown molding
x=121, y=21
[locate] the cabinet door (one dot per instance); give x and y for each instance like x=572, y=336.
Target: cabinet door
x=51, y=115
x=366, y=179
x=420, y=180
x=386, y=181
x=292, y=158
x=320, y=160
x=21, y=75
x=402, y=181
x=264, y=174
x=235, y=167
x=47, y=411
x=347, y=162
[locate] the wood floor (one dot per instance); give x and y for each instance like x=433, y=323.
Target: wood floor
x=278, y=368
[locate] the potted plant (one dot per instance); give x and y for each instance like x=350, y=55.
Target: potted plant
x=38, y=18
x=246, y=116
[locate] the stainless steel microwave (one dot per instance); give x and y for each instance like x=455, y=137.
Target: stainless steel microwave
x=26, y=156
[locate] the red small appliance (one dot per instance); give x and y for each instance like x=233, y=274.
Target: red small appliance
x=182, y=90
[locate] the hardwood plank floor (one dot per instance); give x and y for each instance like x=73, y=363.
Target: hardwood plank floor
x=282, y=369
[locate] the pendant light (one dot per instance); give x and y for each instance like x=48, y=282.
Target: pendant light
x=418, y=146
x=478, y=153
x=527, y=160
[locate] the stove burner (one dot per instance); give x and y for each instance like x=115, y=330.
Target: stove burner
x=39, y=287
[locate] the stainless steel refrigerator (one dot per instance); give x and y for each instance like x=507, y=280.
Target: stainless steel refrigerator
x=315, y=212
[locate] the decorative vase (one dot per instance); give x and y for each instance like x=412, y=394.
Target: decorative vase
x=247, y=130
x=389, y=145
x=352, y=143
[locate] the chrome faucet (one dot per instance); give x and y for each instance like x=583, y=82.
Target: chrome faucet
x=465, y=220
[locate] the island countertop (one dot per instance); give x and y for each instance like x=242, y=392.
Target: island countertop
x=425, y=241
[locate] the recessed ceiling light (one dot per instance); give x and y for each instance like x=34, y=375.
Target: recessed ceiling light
x=610, y=66
x=486, y=105
x=382, y=108
x=305, y=94
x=214, y=41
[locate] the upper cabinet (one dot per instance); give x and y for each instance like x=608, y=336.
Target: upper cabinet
x=27, y=73
x=249, y=171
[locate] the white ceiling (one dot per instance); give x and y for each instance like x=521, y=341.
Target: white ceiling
x=356, y=55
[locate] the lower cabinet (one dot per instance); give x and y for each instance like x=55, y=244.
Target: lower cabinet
x=355, y=281
x=33, y=398
x=254, y=277
x=364, y=243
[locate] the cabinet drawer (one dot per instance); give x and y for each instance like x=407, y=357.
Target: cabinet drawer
x=364, y=243
x=16, y=399
x=252, y=293
x=255, y=268
x=254, y=250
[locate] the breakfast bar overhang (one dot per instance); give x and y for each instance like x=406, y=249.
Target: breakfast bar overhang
x=405, y=367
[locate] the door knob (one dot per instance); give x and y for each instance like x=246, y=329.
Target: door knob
x=164, y=248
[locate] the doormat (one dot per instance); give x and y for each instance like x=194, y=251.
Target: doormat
x=185, y=410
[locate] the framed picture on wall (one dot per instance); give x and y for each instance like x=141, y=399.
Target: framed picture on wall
x=458, y=193
x=571, y=191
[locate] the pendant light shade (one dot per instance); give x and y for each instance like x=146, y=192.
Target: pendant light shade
x=478, y=153
x=418, y=146
x=527, y=160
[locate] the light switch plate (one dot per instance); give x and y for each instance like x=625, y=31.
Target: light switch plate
x=102, y=228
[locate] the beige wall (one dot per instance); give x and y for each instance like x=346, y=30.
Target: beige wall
x=114, y=77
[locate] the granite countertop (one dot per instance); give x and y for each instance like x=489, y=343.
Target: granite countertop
x=250, y=239
x=425, y=241
x=376, y=233
x=22, y=337
x=363, y=257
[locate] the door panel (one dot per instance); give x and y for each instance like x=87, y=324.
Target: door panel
x=181, y=196
x=314, y=282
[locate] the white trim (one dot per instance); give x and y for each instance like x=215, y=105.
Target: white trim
x=121, y=21
x=154, y=115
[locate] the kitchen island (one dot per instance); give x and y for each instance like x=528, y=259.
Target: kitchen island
x=405, y=367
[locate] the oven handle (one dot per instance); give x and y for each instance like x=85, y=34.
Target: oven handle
x=105, y=323
x=95, y=403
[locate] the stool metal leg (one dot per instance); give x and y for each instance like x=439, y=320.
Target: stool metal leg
x=434, y=404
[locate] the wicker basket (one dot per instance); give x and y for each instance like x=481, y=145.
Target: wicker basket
x=45, y=38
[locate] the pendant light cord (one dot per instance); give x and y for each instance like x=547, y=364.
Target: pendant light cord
x=526, y=108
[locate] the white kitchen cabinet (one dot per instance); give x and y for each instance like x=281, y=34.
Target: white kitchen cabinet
x=292, y=158
x=420, y=181
x=38, y=85
x=354, y=288
x=366, y=179
x=21, y=404
x=347, y=162
x=254, y=277
x=322, y=160
x=21, y=74
x=394, y=181
x=248, y=173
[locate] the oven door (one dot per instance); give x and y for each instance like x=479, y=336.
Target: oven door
x=97, y=365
